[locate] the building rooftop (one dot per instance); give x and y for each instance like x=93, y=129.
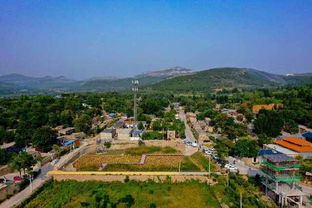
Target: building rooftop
x=266, y=152
x=279, y=158
x=295, y=144
x=281, y=149
x=308, y=135
x=257, y=108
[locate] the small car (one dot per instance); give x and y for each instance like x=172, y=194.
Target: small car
x=17, y=178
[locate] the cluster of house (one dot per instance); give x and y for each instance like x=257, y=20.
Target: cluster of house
x=201, y=127
x=68, y=138
x=232, y=113
x=123, y=130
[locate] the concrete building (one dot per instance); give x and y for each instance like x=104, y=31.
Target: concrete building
x=66, y=131
x=303, y=129
x=129, y=123
x=300, y=146
x=257, y=108
x=108, y=134
x=279, y=182
x=123, y=134
x=280, y=149
x=171, y=134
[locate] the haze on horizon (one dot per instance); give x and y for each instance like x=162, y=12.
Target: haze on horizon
x=82, y=39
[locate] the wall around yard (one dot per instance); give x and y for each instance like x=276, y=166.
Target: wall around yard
x=109, y=178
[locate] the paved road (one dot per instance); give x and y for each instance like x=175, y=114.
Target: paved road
x=40, y=180
x=188, y=132
x=27, y=192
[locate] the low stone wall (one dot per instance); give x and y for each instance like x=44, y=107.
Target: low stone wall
x=4, y=170
x=121, y=178
x=123, y=144
x=8, y=190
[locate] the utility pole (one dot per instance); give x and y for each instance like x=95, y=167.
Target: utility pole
x=209, y=166
x=135, y=89
x=180, y=166
x=240, y=199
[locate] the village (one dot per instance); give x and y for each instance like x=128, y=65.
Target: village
x=143, y=150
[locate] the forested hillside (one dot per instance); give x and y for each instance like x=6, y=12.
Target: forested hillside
x=219, y=78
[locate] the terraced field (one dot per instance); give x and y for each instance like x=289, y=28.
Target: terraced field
x=94, y=161
x=140, y=159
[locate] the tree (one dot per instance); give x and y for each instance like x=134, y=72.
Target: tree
x=2, y=134
x=44, y=138
x=269, y=123
x=5, y=156
x=246, y=147
x=157, y=125
x=140, y=126
x=291, y=126
x=16, y=164
x=152, y=135
x=22, y=161
x=66, y=117
x=83, y=123
x=264, y=139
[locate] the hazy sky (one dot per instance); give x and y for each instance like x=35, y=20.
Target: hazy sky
x=82, y=39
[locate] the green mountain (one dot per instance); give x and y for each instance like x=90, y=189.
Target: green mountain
x=176, y=79
x=125, y=83
x=219, y=78
x=47, y=82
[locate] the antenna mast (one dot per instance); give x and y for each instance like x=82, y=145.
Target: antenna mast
x=135, y=89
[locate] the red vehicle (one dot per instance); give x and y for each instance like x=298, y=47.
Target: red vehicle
x=17, y=178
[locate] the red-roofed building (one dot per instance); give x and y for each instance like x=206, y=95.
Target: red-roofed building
x=257, y=108
x=301, y=146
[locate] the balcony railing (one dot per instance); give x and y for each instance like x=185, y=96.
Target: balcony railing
x=274, y=167
x=283, y=178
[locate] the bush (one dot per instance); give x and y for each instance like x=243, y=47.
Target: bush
x=107, y=145
x=152, y=135
x=126, y=180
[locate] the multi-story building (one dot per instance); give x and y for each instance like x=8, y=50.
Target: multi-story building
x=280, y=180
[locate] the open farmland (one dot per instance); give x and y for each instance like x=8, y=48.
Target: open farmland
x=67, y=194
x=94, y=161
x=157, y=163
x=156, y=159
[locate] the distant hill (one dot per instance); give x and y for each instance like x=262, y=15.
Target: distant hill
x=22, y=81
x=125, y=83
x=176, y=79
x=228, y=77
x=7, y=89
x=166, y=73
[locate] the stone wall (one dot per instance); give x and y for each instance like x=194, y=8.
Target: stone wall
x=109, y=178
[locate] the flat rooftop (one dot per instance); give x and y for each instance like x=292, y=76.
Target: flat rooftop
x=279, y=157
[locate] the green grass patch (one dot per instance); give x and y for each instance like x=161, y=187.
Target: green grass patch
x=149, y=150
x=200, y=159
x=69, y=194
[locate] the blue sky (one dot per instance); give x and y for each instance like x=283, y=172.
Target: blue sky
x=81, y=39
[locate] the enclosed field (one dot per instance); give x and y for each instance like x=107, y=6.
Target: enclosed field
x=67, y=194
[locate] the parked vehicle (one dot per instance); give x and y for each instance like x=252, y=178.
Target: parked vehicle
x=194, y=144
x=17, y=178
x=231, y=167
x=54, y=162
x=36, y=172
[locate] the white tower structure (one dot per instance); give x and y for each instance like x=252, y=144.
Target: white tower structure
x=135, y=89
